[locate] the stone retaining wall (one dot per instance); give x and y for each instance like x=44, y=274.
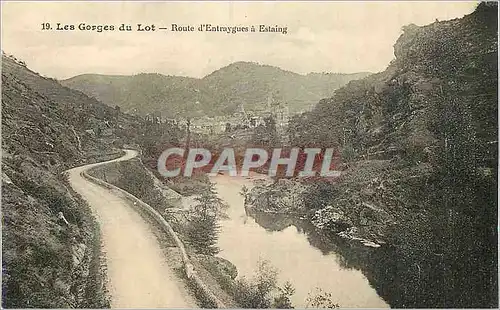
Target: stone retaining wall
x=189, y=270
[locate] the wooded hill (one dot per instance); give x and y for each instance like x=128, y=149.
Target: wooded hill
x=218, y=93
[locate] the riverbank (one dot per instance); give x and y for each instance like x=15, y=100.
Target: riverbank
x=363, y=210
x=360, y=206
x=245, y=240
x=301, y=258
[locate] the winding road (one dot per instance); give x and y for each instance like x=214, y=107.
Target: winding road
x=137, y=271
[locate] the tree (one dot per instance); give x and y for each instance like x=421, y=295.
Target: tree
x=244, y=192
x=203, y=223
x=266, y=135
x=259, y=291
x=282, y=301
x=348, y=153
x=321, y=300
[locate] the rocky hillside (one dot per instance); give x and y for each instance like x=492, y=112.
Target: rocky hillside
x=50, y=242
x=217, y=93
x=419, y=143
x=395, y=111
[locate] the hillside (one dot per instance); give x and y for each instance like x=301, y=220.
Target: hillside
x=397, y=109
x=217, y=93
x=46, y=129
x=419, y=143
x=139, y=94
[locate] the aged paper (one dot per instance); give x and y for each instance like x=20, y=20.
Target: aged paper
x=249, y=154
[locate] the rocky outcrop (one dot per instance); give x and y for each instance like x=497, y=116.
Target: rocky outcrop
x=284, y=196
x=351, y=212
x=331, y=218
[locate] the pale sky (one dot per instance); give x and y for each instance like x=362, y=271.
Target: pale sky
x=322, y=36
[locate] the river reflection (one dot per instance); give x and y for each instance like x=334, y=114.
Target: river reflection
x=302, y=257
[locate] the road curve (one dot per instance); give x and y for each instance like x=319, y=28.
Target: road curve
x=136, y=267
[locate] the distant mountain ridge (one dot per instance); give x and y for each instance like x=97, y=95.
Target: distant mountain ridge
x=220, y=92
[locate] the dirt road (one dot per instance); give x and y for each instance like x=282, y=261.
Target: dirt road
x=137, y=271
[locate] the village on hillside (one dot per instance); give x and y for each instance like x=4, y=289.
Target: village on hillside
x=241, y=119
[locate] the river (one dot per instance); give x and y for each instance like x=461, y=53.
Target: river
x=290, y=249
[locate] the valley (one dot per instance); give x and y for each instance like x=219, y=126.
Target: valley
x=406, y=219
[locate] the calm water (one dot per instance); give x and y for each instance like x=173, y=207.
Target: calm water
x=244, y=242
